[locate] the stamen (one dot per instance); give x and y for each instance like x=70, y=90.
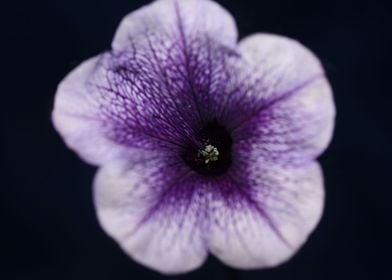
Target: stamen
x=212, y=155
x=209, y=153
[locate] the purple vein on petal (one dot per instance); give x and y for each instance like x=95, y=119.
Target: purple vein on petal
x=260, y=210
x=159, y=202
x=186, y=59
x=281, y=98
x=166, y=83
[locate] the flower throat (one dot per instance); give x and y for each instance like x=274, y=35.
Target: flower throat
x=213, y=158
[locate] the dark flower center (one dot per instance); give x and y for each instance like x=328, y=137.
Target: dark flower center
x=213, y=156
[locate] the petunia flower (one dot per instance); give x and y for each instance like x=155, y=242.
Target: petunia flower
x=204, y=145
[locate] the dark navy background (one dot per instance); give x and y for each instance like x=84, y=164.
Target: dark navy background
x=48, y=227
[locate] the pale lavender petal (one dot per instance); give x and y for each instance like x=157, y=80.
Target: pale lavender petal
x=271, y=69
x=155, y=209
x=282, y=107
x=290, y=131
x=171, y=20
x=271, y=214
x=76, y=119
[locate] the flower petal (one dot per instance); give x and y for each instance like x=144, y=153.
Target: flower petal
x=272, y=68
x=76, y=119
x=278, y=66
x=280, y=104
x=291, y=131
x=184, y=45
x=155, y=211
x=270, y=217
x=174, y=19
